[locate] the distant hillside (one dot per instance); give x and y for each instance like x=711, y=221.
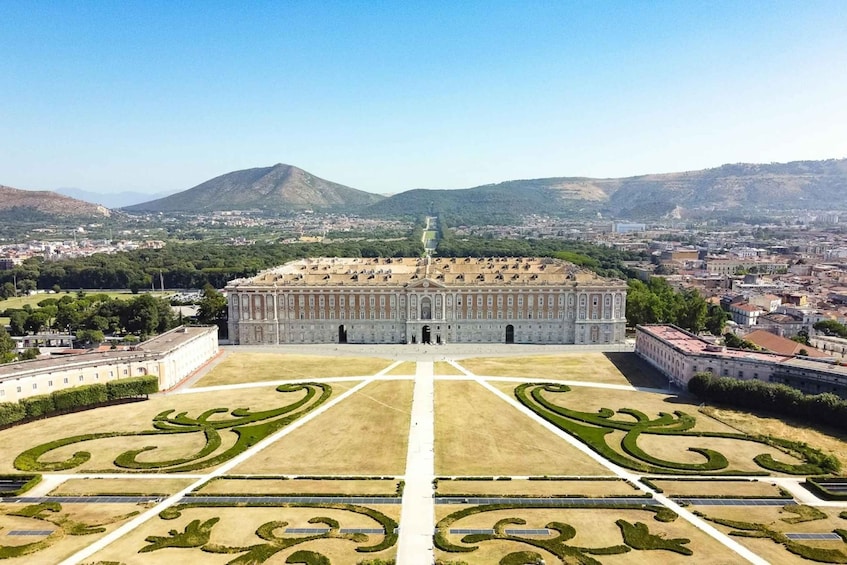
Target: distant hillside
x=43, y=205
x=281, y=188
x=739, y=188
x=111, y=200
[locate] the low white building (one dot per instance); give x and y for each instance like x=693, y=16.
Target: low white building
x=172, y=356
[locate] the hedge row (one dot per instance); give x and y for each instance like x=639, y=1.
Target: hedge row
x=826, y=408
x=69, y=399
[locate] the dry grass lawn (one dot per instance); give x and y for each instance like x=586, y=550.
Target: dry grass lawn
x=716, y=488
x=258, y=367
x=97, y=486
x=594, y=528
x=67, y=545
x=443, y=368
x=477, y=433
x=594, y=367
x=585, y=487
x=299, y=486
x=771, y=516
x=136, y=417
x=404, y=368
x=237, y=528
x=367, y=434
x=830, y=441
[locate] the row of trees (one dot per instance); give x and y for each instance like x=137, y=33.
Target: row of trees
x=656, y=302
x=92, y=316
x=185, y=265
x=826, y=408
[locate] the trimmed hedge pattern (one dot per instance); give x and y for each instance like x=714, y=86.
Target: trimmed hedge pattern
x=249, y=428
x=592, y=428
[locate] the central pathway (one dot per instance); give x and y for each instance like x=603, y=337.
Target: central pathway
x=418, y=514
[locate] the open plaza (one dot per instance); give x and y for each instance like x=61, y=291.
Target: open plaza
x=414, y=454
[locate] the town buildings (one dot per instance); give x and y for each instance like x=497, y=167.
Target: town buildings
x=426, y=300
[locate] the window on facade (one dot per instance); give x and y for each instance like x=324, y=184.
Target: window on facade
x=65, y=380
x=80, y=377
x=19, y=389
x=2, y=392
x=49, y=383
x=34, y=386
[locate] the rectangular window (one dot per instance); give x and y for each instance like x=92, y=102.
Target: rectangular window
x=50, y=383
x=80, y=378
x=2, y=392
x=19, y=389
x=65, y=380
x=34, y=386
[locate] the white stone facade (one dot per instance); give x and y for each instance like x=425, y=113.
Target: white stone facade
x=421, y=301
x=172, y=356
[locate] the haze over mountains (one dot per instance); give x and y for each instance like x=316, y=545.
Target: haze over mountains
x=726, y=190
x=111, y=200
x=738, y=188
x=36, y=205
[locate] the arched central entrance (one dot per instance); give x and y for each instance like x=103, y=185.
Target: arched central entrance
x=510, y=334
x=425, y=335
x=342, y=334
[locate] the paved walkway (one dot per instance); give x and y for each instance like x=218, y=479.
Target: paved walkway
x=418, y=514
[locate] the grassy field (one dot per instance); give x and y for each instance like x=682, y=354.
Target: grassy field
x=367, y=434
x=136, y=417
x=237, y=528
x=830, y=441
x=404, y=368
x=672, y=448
x=257, y=367
x=772, y=517
x=595, y=528
x=33, y=300
x=716, y=488
x=66, y=545
x=443, y=368
x=581, y=487
x=619, y=368
x=299, y=486
x=128, y=486
x=479, y=434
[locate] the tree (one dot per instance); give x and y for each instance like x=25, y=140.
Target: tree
x=716, y=318
x=212, y=306
x=29, y=353
x=89, y=337
x=7, y=346
x=831, y=327
x=17, y=322
x=36, y=321
x=692, y=311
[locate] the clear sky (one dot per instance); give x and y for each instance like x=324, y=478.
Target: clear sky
x=390, y=95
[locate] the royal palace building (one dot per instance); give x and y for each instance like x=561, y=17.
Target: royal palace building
x=427, y=300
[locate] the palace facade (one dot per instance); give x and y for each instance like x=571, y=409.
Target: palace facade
x=427, y=300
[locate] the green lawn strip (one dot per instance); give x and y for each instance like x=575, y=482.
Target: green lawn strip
x=817, y=485
x=249, y=427
x=305, y=557
x=30, y=481
x=753, y=530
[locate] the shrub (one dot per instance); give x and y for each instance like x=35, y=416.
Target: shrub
x=132, y=386
x=11, y=412
x=38, y=406
x=71, y=398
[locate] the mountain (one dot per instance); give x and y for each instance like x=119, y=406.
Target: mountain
x=44, y=205
x=111, y=200
x=729, y=189
x=281, y=188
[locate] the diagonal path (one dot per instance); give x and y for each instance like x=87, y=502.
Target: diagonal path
x=417, y=516
x=710, y=530
x=87, y=552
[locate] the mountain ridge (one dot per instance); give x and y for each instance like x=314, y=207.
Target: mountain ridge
x=17, y=204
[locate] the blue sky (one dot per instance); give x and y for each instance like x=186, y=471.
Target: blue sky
x=387, y=96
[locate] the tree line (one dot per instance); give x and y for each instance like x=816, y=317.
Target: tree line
x=656, y=302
